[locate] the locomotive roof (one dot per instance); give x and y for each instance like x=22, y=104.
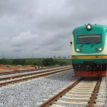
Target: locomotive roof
x=81, y=28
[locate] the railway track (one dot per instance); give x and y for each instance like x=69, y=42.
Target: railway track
x=81, y=93
x=24, y=77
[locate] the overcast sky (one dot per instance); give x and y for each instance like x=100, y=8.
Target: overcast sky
x=43, y=28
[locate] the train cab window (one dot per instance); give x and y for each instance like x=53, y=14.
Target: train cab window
x=88, y=39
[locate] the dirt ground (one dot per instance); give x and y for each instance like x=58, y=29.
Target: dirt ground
x=10, y=68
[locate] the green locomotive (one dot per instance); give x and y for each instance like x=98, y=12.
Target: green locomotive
x=89, y=50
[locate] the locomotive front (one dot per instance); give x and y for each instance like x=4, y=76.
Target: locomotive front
x=89, y=52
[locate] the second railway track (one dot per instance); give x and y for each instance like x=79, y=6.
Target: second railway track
x=24, y=77
x=82, y=93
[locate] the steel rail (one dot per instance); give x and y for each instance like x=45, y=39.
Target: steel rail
x=95, y=92
x=56, y=97
x=34, y=76
x=13, y=77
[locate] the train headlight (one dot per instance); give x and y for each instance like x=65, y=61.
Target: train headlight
x=77, y=49
x=99, y=49
x=89, y=27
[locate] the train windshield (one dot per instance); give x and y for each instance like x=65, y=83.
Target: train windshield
x=87, y=39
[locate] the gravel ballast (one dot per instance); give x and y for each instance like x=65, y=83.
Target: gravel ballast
x=28, y=93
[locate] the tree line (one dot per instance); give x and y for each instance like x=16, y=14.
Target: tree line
x=38, y=62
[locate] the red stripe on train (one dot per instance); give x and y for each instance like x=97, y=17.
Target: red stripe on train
x=90, y=73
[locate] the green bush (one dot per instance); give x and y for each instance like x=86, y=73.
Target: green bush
x=19, y=62
x=48, y=62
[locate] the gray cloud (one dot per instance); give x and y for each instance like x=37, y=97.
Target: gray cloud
x=42, y=28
